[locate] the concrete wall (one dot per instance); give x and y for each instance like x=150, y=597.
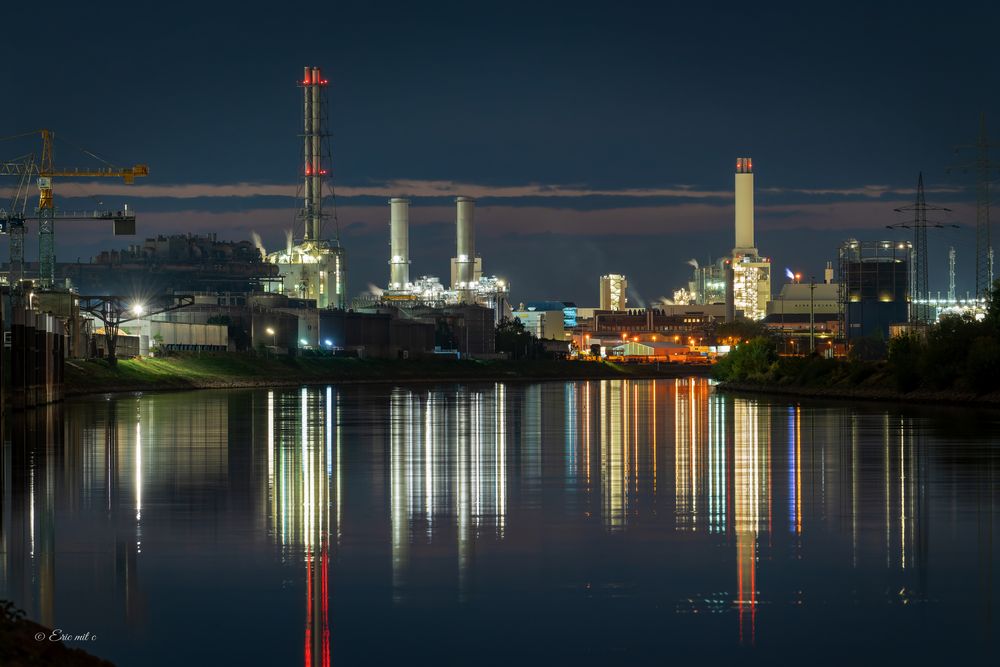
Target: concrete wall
x=37, y=358
x=380, y=335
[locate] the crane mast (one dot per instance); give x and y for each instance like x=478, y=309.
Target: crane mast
x=45, y=171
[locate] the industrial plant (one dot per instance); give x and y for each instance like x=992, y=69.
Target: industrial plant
x=195, y=292
x=749, y=274
x=313, y=266
x=468, y=285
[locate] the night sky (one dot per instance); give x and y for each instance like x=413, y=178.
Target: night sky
x=598, y=137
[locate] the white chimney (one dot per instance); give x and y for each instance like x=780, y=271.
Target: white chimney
x=399, y=242
x=744, y=208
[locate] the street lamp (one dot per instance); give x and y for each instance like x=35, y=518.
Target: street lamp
x=812, y=314
x=271, y=332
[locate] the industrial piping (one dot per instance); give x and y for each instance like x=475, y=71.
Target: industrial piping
x=399, y=242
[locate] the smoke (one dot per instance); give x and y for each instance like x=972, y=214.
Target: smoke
x=288, y=241
x=789, y=274
x=374, y=290
x=257, y=241
x=635, y=297
x=693, y=262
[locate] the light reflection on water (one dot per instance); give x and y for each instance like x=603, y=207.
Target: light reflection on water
x=618, y=518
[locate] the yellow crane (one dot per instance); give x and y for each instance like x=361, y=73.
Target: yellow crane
x=45, y=170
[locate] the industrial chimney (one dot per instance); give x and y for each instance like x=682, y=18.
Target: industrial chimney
x=464, y=274
x=313, y=170
x=399, y=242
x=744, y=208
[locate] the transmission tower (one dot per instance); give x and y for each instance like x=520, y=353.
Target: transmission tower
x=983, y=168
x=951, y=275
x=920, y=309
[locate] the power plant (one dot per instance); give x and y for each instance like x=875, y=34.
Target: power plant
x=315, y=267
x=613, y=289
x=749, y=275
x=468, y=285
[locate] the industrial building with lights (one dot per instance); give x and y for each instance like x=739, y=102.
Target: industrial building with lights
x=469, y=287
x=749, y=274
x=314, y=267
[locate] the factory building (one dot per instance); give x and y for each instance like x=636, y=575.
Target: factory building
x=802, y=309
x=468, y=285
x=181, y=263
x=875, y=279
x=749, y=274
x=613, y=288
x=545, y=320
x=314, y=267
x=655, y=322
x=708, y=282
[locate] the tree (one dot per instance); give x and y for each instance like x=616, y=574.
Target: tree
x=905, y=355
x=868, y=348
x=739, y=330
x=747, y=361
x=992, y=319
x=513, y=339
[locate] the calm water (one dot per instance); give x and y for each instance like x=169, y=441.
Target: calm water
x=586, y=522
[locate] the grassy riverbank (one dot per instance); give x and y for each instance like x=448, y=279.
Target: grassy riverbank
x=231, y=370
x=755, y=367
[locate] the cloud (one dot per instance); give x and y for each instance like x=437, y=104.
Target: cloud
x=445, y=188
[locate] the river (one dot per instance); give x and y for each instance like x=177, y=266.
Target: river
x=527, y=523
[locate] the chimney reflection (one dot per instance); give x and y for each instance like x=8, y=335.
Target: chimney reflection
x=751, y=505
x=692, y=436
x=304, y=488
x=448, y=471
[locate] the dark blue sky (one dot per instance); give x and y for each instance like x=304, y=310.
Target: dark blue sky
x=603, y=98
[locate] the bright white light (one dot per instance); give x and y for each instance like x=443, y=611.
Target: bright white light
x=270, y=331
x=138, y=309
x=328, y=342
x=303, y=341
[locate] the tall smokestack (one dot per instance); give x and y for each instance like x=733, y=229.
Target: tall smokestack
x=312, y=152
x=465, y=236
x=744, y=208
x=399, y=242
x=316, y=107
x=307, y=198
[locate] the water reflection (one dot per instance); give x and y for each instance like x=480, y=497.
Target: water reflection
x=367, y=503
x=448, y=469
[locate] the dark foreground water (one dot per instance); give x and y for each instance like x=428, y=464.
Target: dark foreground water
x=613, y=522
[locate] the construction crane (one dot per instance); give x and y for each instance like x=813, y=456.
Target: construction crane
x=45, y=170
x=12, y=221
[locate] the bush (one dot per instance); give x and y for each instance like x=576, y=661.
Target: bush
x=749, y=361
x=948, y=344
x=868, y=348
x=983, y=364
x=905, y=354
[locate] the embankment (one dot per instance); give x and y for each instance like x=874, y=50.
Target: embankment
x=869, y=392
x=231, y=371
